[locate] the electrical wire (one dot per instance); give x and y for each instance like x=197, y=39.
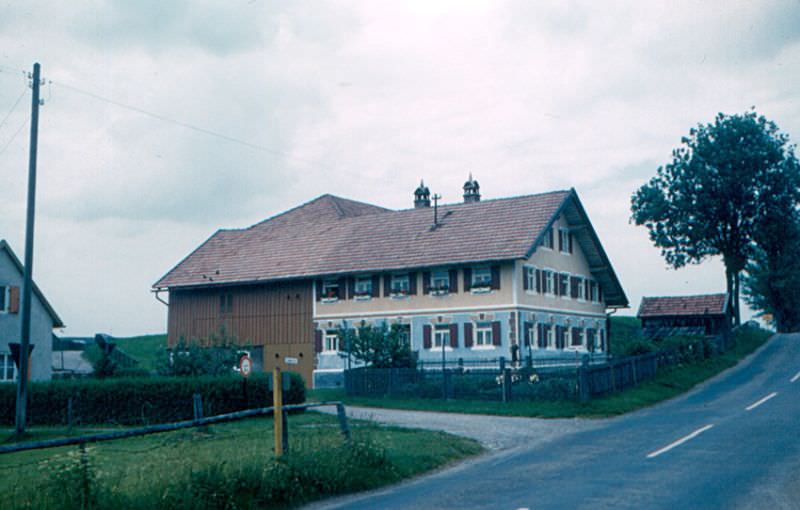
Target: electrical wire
x=13, y=137
x=13, y=107
x=178, y=122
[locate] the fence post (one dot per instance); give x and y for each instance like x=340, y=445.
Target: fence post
x=584, y=392
x=342, y=415
x=197, y=406
x=634, y=362
x=285, y=430
x=505, y=375
x=69, y=415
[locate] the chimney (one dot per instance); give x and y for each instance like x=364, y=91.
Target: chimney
x=422, y=196
x=471, y=190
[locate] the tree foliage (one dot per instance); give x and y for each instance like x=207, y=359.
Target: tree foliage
x=217, y=356
x=379, y=347
x=772, y=281
x=711, y=198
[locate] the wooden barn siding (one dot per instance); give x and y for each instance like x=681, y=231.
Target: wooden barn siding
x=262, y=314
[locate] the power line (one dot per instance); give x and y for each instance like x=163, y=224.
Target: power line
x=13, y=107
x=14, y=136
x=180, y=123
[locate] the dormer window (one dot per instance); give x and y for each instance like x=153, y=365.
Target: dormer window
x=401, y=284
x=330, y=290
x=440, y=282
x=363, y=286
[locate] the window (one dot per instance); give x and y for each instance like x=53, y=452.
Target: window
x=564, y=241
x=483, y=334
x=581, y=288
x=331, y=342
x=401, y=284
x=550, y=282
x=441, y=336
x=4, y=298
x=8, y=371
x=577, y=337
x=226, y=303
x=481, y=277
x=594, y=291
x=330, y=289
x=363, y=286
x=547, y=242
x=563, y=282
x=550, y=335
x=440, y=280
x=530, y=278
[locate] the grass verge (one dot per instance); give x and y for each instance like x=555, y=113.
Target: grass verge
x=144, y=349
x=228, y=466
x=666, y=385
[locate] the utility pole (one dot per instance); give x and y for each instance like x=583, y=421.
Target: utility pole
x=27, y=285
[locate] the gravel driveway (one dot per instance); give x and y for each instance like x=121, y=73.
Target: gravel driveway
x=493, y=432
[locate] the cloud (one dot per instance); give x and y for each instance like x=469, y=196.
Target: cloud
x=360, y=99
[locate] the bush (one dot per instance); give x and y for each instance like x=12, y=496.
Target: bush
x=139, y=401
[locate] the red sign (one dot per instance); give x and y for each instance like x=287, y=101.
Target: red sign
x=245, y=365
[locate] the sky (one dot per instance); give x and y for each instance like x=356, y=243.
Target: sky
x=165, y=121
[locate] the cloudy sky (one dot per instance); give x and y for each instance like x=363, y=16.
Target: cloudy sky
x=360, y=99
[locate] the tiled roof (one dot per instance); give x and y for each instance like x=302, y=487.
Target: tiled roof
x=330, y=235
x=707, y=304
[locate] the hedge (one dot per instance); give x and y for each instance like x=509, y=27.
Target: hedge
x=142, y=401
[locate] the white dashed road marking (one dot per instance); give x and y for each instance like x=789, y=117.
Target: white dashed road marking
x=679, y=442
x=756, y=404
x=795, y=378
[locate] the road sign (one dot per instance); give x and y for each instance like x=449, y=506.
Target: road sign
x=245, y=365
x=290, y=361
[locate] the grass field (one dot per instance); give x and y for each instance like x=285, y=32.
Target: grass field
x=666, y=385
x=145, y=349
x=224, y=466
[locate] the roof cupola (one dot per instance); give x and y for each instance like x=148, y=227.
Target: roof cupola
x=472, y=190
x=422, y=196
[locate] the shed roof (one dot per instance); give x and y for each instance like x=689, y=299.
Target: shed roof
x=672, y=306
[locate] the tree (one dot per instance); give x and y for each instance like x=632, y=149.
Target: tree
x=772, y=279
x=378, y=347
x=218, y=355
x=707, y=201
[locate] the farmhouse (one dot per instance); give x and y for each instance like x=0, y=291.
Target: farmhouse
x=507, y=277
x=701, y=315
x=43, y=320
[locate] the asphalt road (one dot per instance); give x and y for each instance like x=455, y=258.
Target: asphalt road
x=732, y=443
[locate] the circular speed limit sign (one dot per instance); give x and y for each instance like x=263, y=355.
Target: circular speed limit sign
x=245, y=365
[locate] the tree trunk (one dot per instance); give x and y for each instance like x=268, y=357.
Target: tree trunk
x=737, y=318
x=729, y=288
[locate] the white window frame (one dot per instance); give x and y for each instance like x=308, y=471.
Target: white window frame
x=363, y=286
x=550, y=282
x=482, y=332
x=530, y=277
x=5, y=358
x=580, y=346
x=581, y=288
x=596, y=292
x=550, y=331
x=485, y=280
x=546, y=242
x=330, y=342
x=442, y=275
x=533, y=336
x=567, y=292
x=327, y=285
x=400, y=284
x=441, y=334
x=6, y=290
x=564, y=241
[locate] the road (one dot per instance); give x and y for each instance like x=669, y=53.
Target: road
x=732, y=443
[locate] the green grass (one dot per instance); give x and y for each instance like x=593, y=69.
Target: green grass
x=144, y=349
x=666, y=385
x=176, y=469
